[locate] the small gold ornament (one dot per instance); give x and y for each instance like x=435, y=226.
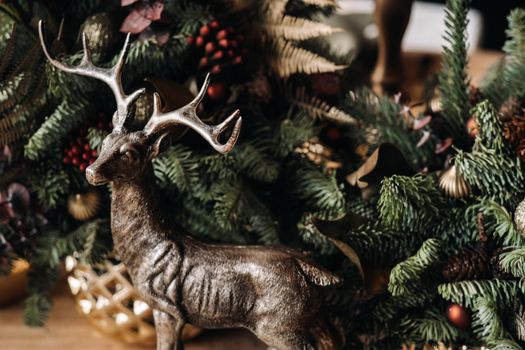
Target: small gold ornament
x=100, y=33
x=453, y=184
x=318, y=153
x=84, y=206
x=519, y=217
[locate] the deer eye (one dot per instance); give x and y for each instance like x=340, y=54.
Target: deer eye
x=128, y=153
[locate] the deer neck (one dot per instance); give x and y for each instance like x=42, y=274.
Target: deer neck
x=138, y=218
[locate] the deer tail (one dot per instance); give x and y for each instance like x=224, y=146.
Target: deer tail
x=318, y=275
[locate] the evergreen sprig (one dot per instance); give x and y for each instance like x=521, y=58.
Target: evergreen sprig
x=453, y=79
x=467, y=292
x=409, y=203
x=405, y=275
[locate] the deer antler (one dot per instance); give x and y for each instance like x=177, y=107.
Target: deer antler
x=110, y=76
x=159, y=122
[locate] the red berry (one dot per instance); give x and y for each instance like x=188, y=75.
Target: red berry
x=218, y=55
x=203, y=62
x=209, y=48
x=190, y=40
x=70, y=154
x=223, y=42
x=216, y=69
x=86, y=156
x=237, y=60
x=233, y=43
x=67, y=160
x=75, y=150
x=100, y=125
x=231, y=53
x=94, y=153
x=75, y=161
x=87, y=147
x=333, y=134
x=216, y=91
x=221, y=34
x=214, y=24
x=79, y=141
x=204, y=30
x=199, y=41
x=83, y=166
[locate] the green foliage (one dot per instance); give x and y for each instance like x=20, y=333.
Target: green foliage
x=490, y=133
x=486, y=321
x=177, y=167
x=292, y=131
x=498, y=222
x=508, y=79
x=254, y=159
x=319, y=191
x=405, y=276
x=513, y=261
x=409, y=203
x=492, y=174
x=466, y=293
x=391, y=123
x=67, y=115
x=434, y=327
x=50, y=187
x=95, y=137
x=453, y=79
x=36, y=309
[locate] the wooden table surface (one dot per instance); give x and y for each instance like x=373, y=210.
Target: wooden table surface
x=66, y=329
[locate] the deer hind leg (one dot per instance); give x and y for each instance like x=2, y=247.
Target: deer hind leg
x=169, y=331
x=288, y=341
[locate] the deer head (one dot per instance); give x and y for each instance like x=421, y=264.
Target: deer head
x=124, y=155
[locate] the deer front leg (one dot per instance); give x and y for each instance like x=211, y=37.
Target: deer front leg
x=169, y=331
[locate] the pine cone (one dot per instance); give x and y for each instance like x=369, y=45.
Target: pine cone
x=495, y=266
x=468, y=264
x=511, y=108
x=514, y=129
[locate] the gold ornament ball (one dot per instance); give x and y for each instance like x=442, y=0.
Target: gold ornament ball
x=100, y=33
x=519, y=217
x=84, y=206
x=453, y=184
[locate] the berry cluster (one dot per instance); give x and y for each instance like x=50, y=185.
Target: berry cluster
x=78, y=151
x=221, y=47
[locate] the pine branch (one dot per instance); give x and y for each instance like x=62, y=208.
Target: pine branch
x=255, y=160
x=487, y=323
x=467, y=292
x=490, y=133
x=293, y=131
x=51, y=187
x=434, y=327
x=67, y=115
x=320, y=192
x=492, y=173
x=409, y=203
x=95, y=137
x=453, y=80
x=513, y=262
x=514, y=68
x=295, y=28
x=406, y=274
x=321, y=3
x=177, y=167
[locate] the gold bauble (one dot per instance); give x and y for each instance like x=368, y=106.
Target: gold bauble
x=13, y=286
x=453, y=184
x=84, y=206
x=105, y=296
x=519, y=217
x=100, y=33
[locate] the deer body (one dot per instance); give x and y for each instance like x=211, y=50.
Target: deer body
x=274, y=292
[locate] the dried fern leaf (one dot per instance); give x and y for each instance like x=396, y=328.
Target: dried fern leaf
x=296, y=28
x=273, y=10
x=7, y=54
x=289, y=59
x=317, y=108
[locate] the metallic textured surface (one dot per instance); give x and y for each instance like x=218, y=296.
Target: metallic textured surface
x=274, y=292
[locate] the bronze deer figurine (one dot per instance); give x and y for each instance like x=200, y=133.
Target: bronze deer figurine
x=273, y=292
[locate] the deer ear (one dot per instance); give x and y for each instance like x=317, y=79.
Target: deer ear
x=155, y=149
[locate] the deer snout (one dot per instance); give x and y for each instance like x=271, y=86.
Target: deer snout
x=91, y=176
